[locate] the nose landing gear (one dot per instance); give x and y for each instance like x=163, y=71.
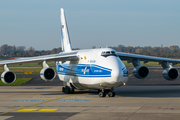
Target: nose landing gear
x=111, y=94
x=102, y=93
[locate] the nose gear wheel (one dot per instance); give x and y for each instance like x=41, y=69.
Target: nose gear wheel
x=102, y=94
x=110, y=93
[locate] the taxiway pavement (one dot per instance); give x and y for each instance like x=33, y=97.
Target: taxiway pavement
x=149, y=99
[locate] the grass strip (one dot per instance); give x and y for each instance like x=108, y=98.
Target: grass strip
x=52, y=64
x=22, y=70
x=154, y=64
x=18, y=81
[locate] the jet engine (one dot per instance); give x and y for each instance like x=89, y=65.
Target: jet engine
x=141, y=72
x=171, y=73
x=48, y=74
x=8, y=77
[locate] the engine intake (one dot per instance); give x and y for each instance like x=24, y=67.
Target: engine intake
x=8, y=77
x=141, y=72
x=171, y=74
x=48, y=74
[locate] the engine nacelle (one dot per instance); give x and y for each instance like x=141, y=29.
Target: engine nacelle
x=8, y=77
x=48, y=74
x=171, y=74
x=141, y=72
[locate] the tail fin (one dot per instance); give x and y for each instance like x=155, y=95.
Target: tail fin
x=65, y=40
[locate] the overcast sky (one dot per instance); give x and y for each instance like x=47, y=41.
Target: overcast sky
x=97, y=23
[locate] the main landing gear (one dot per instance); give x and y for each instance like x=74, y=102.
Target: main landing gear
x=102, y=93
x=68, y=90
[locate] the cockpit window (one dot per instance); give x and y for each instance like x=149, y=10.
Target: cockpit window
x=108, y=53
x=112, y=52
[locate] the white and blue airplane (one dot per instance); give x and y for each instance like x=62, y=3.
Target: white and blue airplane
x=100, y=69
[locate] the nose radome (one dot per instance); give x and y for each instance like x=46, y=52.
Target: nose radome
x=120, y=74
x=116, y=75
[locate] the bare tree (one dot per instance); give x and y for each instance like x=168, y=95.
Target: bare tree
x=20, y=48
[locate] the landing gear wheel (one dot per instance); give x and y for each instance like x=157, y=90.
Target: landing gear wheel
x=99, y=91
x=63, y=89
x=72, y=91
x=102, y=94
x=111, y=94
x=67, y=90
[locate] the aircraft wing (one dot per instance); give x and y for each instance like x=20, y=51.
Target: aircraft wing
x=54, y=57
x=130, y=57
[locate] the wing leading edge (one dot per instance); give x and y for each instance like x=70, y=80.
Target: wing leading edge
x=130, y=57
x=67, y=56
x=140, y=71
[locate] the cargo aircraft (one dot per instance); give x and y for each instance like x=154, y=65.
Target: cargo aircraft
x=100, y=69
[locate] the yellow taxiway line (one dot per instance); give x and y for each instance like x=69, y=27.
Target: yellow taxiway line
x=35, y=105
x=38, y=109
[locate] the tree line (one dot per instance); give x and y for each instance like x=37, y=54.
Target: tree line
x=8, y=52
x=169, y=52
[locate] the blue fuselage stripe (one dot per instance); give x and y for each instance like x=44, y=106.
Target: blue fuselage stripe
x=84, y=70
x=85, y=75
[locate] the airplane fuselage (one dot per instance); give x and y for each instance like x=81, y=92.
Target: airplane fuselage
x=95, y=69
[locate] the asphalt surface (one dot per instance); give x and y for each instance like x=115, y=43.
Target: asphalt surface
x=149, y=99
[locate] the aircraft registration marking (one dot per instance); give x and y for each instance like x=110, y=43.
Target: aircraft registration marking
x=98, y=71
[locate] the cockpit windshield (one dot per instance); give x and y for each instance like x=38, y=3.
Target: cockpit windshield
x=108, y=53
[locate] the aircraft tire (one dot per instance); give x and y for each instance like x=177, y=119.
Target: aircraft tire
x=66, y=90
x=111, y=94
x=99, y=91
x=72, y=91
x=63, y=89
x=102, y=94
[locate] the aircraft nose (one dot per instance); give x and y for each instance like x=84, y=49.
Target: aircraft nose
x=116, y=75
x=120, y=75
